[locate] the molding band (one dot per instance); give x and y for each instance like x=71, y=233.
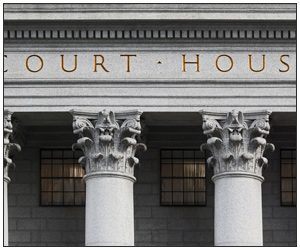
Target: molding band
x=147, y=34
x=109, y=174
x=237, y=174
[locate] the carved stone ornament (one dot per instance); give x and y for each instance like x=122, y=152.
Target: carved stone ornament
x=237, y=141
x=108, y=140
x=9, y=147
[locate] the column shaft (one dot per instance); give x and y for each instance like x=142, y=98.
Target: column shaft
x=109, y=211
x=109, y=143
x=237, y=142
x=5, y=211
x=238, y=211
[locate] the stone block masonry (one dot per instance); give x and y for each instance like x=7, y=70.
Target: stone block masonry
x=155, y=225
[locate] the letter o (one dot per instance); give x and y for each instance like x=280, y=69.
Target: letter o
x=217, y=64
x=41, y=64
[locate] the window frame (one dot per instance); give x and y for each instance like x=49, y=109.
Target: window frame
x=40, y=179
x=293, y=177
x=160, y=179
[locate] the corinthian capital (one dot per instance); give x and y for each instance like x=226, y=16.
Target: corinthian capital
x=9, y=147
x=108, y=140
x=237, y=141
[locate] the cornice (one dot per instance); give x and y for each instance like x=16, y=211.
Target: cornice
x=150, y=11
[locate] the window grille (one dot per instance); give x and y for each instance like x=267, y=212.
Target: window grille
x=61, y=178
x=288, y=181
x=183, y=177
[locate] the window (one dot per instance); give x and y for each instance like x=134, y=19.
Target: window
x=61, y=178
x=183, y=179
x=288, y=177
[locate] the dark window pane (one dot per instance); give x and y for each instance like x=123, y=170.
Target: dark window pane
x=179, y=176
x=166, y=170
x=178, y=170
x=177, y=184
x=166, y=185
x=189, y=198
x=46, y=171
x=286, y=169
x=68, y=154
x=178, y=161
x=58, y=198
x=188, y=154
x=169, y=161
x=68, y=168
x=57, y=162
x=68, y=185
x=46, y=161
x=59, y=173
x=294, y=198
x=294, y=170
x=200, y=198
x=57, y=185
x=286, y=154
x=178, y=198
x=79, y=185
x=177, y=154
x=200, y=184
x=69, y=198
x=198, y=154
x=287, y=198
x=57, y=154
x=46, y=185
x=166, y=198
x=79, y=198
x=287, y=184
x=57, y=170
x=189, y=185
x=294, y=184
x=46, y=154
x=46, y=198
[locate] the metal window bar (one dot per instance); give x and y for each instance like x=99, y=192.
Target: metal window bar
x=62, y=178
x=183, y=178
x=292, y=178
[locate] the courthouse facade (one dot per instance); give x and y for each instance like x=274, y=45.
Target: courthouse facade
x=150, y=124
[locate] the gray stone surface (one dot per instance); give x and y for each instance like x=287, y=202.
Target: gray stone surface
x=150, y=11
x=175, y=224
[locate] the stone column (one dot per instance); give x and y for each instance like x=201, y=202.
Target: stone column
x=237, y=142
x=8, y=150
x=109, y=143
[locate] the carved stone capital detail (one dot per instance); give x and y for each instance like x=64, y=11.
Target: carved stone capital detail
x=9, y=147
x=108, y=140
x=237, y=141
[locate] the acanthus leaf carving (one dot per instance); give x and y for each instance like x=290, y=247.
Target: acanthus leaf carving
x=108, y=143
x=236, y=142
x=10, y=148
